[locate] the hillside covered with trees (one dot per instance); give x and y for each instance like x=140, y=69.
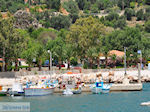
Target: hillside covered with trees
x=73, y=30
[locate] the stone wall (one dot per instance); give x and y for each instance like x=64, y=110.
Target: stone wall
x=7, y=74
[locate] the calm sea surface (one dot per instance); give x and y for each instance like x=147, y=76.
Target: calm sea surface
x=112, y=102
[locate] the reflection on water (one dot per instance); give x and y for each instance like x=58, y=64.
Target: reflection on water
x=87, y=102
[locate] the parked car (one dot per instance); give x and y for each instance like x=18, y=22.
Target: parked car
x=62, y=65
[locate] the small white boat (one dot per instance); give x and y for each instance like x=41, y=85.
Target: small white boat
x=67, y=92
x=17, y=90
x=76, y=90
x=145, y=103
x=99, y=87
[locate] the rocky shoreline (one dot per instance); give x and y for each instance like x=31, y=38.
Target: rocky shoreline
x=108, y=77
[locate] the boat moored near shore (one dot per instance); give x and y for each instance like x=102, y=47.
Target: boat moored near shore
x=38, y=91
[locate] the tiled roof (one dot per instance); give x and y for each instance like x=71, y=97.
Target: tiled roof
x=117, y=53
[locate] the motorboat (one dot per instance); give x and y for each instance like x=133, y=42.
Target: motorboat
x=16, y=90
x=40, y=89
x=3, y=91
x=145, y=103
x=77, y=89
x=67, y=91
x=100, y=87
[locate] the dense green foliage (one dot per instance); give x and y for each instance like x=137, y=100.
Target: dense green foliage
x=11, y=5
x=59, y=22
x=147, y=26
x=75, y=30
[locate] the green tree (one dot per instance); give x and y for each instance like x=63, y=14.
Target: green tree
x=59, y=22
x=41, y=55
x=94, y=8
x=68, y=53
x=81, y=3
x=85, y=33
x=129, y=13
x=56, y=47
x=30, y=53
x=120, y=23
x=112, y=16
x=147, y=2
x=103, y=4
x=71, y=6
x=11, y=41
x=147, y=16
x=53, y=4
x=147, y=26
x=140, y=15
x=129, y=37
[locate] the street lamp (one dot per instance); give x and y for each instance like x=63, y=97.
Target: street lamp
x=50, y=60
x=125, y=65
x=139, y=66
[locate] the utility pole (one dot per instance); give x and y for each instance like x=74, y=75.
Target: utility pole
x=141, y=59
x=3, y=59
x=139, y=66
x=139, y=73
x=50, y=60
x=125, y=64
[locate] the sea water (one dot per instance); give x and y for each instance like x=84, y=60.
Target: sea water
x=88, y=102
